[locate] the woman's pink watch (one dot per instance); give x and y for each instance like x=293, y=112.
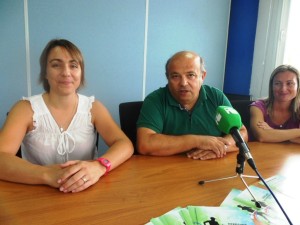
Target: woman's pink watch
x=105, y=162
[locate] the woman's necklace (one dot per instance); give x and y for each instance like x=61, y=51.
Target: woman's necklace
x=281, y=119
x=69, y=117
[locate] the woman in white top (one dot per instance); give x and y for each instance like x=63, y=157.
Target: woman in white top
x=58, y=129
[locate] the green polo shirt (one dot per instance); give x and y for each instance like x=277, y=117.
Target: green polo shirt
x=163, y=114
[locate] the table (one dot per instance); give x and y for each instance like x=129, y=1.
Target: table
x=142, y=188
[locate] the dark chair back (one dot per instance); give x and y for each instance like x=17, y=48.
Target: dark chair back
x=129, y=113
x=243, y=107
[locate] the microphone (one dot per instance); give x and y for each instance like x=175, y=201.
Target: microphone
x=229, y=121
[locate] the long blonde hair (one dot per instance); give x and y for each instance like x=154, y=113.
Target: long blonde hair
x=295, y=105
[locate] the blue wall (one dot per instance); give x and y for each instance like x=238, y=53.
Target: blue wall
x=180, y=25
x=241, y=39
x=12, y=55
x=111, y=35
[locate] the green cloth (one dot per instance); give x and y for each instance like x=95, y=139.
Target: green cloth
x=163, y=114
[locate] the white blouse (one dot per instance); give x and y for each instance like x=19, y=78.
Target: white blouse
x=47, y=144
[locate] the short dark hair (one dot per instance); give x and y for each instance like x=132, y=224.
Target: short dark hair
x=202, y=64
x=68, y=46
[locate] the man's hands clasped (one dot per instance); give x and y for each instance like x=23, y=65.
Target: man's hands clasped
x=210, y=148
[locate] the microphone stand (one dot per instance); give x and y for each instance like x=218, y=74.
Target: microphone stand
x=244, y=150
x=239, y=173
x=273, y=195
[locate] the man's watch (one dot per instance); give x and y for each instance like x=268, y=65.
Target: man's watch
x=105, y=162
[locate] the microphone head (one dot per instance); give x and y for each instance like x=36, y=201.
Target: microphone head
x=228, y=118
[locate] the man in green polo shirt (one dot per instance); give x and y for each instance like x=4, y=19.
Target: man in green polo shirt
x=181, y=116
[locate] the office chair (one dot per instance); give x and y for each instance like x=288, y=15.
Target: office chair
x=129, y=113
x=242, y=106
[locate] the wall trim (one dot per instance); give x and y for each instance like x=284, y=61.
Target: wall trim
x=145, y=49
x=27, y=48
